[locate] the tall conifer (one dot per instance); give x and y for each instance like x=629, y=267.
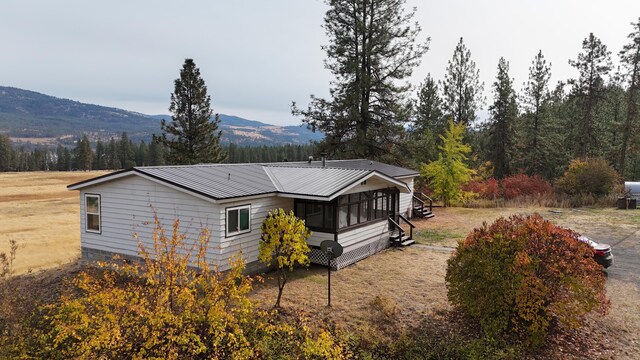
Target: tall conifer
x=192, y=136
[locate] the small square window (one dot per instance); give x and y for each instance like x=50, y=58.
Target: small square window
x=238, y=220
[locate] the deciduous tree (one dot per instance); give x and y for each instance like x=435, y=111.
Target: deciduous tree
x=283, y=244
x=449, y=172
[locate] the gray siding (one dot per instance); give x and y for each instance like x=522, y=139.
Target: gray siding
x=317, y=237
x=126, y=209
x=367, y=233
x=406, y=207
x=249, y=242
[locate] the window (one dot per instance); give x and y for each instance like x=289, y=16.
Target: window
x=359, y=208
x=92, y=211
x=238, y=220
x=317, y=215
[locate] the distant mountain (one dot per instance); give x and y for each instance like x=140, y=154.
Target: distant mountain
x=31, y=117
x=250, y=132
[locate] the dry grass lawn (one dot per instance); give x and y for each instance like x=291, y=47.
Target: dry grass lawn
x=410, y=278
x=38, y=211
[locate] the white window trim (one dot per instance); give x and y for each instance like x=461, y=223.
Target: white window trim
x=226, y=224
x=87, y=213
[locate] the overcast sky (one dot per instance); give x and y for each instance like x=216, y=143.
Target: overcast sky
x=257, y=56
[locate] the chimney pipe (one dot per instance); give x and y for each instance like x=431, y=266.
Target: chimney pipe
x=324, y=158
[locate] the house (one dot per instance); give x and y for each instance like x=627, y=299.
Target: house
x=357, y=203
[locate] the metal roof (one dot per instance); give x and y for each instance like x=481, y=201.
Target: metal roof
x=361, y=164
x=225, y=181
x=323, y=182
x=215, y=180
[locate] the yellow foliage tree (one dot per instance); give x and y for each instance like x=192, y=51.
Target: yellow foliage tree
x=449, y=172
x=284, y=244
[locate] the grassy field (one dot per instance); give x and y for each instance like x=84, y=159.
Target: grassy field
x=38, y=211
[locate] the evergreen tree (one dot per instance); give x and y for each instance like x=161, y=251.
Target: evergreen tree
x=156, y=153
x=503, y=112
x=191, y=137
x=535, y=125
x=142, y=154
x=83, y=154
x=6, y=153
x=113, y=155
x=372, y=49
x=126, y=151
x=429, y=122
x=100, y=161
x=462, y=87
x=630, y=59
x=593, y=64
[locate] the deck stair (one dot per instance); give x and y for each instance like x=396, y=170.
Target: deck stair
x=422, y=206
x=399, y=236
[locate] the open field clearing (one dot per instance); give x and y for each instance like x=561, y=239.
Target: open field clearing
x=38, y=211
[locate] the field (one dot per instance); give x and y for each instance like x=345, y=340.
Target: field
x=407, y=284
x=38, y=211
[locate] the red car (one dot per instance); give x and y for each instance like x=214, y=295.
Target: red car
x=602, y=252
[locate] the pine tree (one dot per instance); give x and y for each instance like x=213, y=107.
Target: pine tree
x=113, y=155
x=462, y=87
x=630, y=59
x=156, y=152
x=593, y=64
x=83, y=154
x=429, y=122
x=373, y=47
x=6, y=153
x=100, y=161
x=504, y=111
x=191, y=137
x=534, y=129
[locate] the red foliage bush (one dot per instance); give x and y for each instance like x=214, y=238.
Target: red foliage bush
x=522, y=276
x=486, y=189
x=523, y=185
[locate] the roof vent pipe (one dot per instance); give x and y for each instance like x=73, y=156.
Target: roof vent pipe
x=324, y=159
x=310, y=159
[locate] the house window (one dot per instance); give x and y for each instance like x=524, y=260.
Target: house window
x=317, y=215
x=359, y=208
x=238, y=220
x=92, y=211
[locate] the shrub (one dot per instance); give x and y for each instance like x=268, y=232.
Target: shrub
x=591, y=176
x=486, y=189
x=522, y=276
x=524, y=185
x=172, y=305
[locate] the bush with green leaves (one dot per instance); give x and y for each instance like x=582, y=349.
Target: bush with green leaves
x=522, y=276
x=592, y=176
